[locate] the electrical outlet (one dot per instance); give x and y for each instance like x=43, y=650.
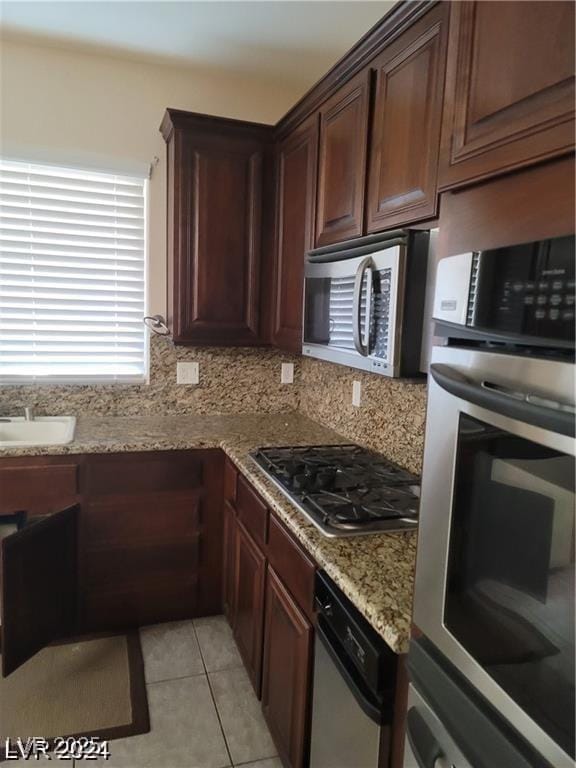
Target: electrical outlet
x=356, y=393
x=187, y=373
x=287, y=375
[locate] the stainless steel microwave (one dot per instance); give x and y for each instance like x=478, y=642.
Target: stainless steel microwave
x=364, y=302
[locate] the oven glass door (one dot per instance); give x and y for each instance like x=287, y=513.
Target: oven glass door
x=509, y=597
x=494, y=584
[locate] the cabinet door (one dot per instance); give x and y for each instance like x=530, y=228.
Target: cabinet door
x=286, y=673
x=406, y=125
x=249, y=610
x=342, y=162
x=215, y=191
x=229, y=593
x=39, y=583
x=509, y=87
x=296, y=199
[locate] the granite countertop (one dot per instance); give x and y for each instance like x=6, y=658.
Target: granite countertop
x=376, y=572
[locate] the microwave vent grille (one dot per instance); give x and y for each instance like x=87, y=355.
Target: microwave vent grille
x=470, y=315
x=341, y=306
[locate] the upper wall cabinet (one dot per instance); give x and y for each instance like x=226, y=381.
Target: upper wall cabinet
x=217, y=173
x=509, y=87
x=406, y=123
x=342, y=162
x=297, y=159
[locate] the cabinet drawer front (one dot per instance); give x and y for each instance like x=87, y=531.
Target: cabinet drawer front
x=252, y=511
x=292, y=565
x=230, y=481
x=38, y=489
x=132, y=521
x=142, y=473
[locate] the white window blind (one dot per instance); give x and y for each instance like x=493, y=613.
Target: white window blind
x=72, y=282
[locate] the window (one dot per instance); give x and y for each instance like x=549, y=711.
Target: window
x=72, y=275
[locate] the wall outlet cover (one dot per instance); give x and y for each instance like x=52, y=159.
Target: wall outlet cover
x=356, y=393
x=287, y=375
x=187, y=373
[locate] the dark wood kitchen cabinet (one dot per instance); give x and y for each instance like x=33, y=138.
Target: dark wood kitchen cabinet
x=406, y=123
x=38, y=582
x=297, y=158
x=250, y=584
x=229, y=561
x=342, y=162
x=509, y=88
x=149, y=544
x=219, y=184
x=272, y=615
x=286, y=676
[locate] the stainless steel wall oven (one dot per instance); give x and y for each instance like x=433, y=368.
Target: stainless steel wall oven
x=495, y=572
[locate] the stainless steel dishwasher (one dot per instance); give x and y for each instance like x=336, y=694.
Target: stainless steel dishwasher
x=354, y=680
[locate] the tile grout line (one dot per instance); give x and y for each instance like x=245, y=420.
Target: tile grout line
x=179, y=677
x=213, y=698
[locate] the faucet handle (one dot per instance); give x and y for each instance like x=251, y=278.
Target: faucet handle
x=29, y=414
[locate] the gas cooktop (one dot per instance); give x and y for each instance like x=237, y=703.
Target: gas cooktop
x=345, y=490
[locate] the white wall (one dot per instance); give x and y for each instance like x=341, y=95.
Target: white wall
x=95, y=110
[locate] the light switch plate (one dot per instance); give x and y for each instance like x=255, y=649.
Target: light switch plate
x=287, y=375
x=356, y=393
x=187, y=373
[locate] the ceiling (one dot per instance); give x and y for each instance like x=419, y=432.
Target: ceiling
x=289, y=41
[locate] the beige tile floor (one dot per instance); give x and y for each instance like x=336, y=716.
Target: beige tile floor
x=203, y=711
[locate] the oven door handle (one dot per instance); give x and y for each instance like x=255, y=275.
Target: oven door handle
x=426, y=749
x=362, y=346
x=552, y=419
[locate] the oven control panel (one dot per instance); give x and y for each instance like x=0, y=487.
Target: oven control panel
x=525, y=294
x=526, y=290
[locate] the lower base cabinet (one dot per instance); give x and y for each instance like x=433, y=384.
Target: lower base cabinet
x=268, y=596
x=249, y=603
x=286, y=675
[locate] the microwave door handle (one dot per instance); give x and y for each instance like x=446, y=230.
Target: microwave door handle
x=369, y=297
x=357, y=306
x=563, y=422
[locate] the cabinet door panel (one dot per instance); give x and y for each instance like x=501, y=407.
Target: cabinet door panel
x=218, y=171
x=38, y=585
x=229, y=586
x=342, y=162
x=296, y=200
x=406, y=125
x=286, y=672
x=510, y=87
x=249, y=609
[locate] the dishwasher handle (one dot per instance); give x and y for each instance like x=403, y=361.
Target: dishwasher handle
x=368, y=701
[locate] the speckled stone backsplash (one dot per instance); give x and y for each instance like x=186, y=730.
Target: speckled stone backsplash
x=391, y=417
x=241, y=380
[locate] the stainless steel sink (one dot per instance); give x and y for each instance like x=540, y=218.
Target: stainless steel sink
x=43, y=430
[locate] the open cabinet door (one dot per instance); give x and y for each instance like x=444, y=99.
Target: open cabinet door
x=39, y=583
